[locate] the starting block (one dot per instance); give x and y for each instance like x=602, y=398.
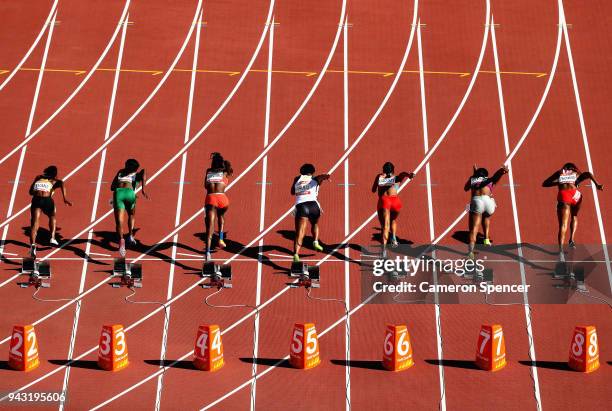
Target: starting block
x=308, y=275
x=39, y=273
x=130, y=273
x=572, y=276
x=220, y=275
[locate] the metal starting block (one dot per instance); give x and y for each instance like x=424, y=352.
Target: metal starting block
x=220, y=275
x=130, y=273
x=572, y=276
x=308, y=275
x=39, y=273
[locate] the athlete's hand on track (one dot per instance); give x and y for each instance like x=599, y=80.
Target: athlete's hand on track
x=68, y=202
x=411, y=175
x=145, y=195
x=505, y=168
x=599, y=187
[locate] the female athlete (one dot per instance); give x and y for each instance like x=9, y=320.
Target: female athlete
x=124, y=199
x=216, y=202
x=482, y=205
x=42, y=190
x=305, y=188
x=389, y=203
x=569, y=199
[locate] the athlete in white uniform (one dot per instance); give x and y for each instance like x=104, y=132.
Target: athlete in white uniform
x=42, y=190
x=305, y=188
x=482, y=205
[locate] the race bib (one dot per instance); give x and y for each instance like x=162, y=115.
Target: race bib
x=304, y=186
x=214, y=177
x=567, y=177
x=386, y=181
x=43, y=186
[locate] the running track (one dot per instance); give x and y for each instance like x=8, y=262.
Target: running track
x=332, y=114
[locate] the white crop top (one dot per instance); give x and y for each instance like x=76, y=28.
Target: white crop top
x=43, y=185
x=568, y=177
x=306, y=189
x=215, y=177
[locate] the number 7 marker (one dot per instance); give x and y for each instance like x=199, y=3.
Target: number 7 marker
x=491, y=348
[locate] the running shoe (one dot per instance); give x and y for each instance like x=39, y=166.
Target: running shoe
x=122, y=247
x=384, y=253
x=394, y=242
x=572, y=244
x=486, y=241
x=131, y=241
x=296, y=258
x=222, y=244
x=208, y=256
x=33, y=251
x=53, y=241
x=317, y=246
x=471, y=256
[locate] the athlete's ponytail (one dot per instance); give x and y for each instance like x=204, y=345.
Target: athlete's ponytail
x=228, y=168
x=388, y=168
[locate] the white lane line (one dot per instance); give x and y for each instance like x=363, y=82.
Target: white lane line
x=43, y=63
x=179, y=205
x=128, y=121
x=32, y=47
x=76, y=90
x=517, y=229
x=277, y=255
x=191, y=141
x=262, y=213
x=585, y=141
x=101, y=254
x=234, y=258
x=347, y=219
x=109, y=120
x=430, y=212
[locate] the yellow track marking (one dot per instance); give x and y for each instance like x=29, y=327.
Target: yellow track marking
x=289, y=72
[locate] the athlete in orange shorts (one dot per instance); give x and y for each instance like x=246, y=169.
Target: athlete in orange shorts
x=216, y=202
x=386, y=184
x=569, y=199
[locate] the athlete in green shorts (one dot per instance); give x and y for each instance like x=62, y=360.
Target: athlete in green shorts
x=124, y=199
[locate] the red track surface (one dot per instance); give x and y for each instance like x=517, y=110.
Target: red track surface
x=303, y=40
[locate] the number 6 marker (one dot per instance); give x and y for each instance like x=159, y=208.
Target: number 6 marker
x=397, y=349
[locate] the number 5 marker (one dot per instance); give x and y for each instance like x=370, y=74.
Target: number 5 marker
x=304, y=348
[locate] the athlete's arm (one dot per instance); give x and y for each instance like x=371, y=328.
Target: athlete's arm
x=143, y=180
x=587, y=175
x=499, y=174
x=322, y=177
x=468, y=184
x=293, y=185
x=32, y=186
x=375, y=183
x=402, y=176
x=553, y=180
x=115, y=182
x=60, y=184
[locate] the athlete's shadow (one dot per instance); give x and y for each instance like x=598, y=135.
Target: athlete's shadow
x=235, y=247
x=327, y=248
x=44, y=236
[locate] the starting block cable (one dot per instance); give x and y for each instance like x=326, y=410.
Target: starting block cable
x=48, y=300
x=348, y=336
x=255, y=308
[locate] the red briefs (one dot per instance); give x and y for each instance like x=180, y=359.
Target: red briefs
x=218, y=200
x=392, y=203
x=570, y=196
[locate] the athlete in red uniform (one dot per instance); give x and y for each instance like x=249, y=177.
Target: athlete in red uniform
x=216, y=202
x=569, y=198
x=386, y=184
